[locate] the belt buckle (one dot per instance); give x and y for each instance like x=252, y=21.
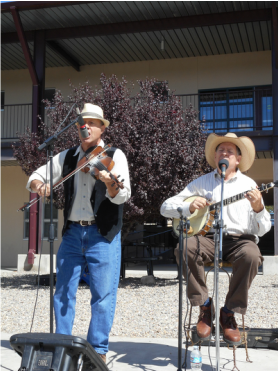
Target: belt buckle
x=81, y=223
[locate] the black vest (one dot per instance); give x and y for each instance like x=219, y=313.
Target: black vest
x=108, y=216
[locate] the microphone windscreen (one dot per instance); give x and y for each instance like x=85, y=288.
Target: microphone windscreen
x=180, y=210
x=223, y=162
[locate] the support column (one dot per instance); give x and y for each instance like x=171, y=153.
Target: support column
x=36, y=69
x=274, y=57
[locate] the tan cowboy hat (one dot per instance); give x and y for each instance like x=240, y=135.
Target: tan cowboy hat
x=91, y=111
x=245, y=144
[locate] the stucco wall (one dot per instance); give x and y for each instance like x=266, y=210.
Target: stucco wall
x=185, y=75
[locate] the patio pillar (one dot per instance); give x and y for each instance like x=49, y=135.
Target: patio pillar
x=274, y=58
x=36, y=69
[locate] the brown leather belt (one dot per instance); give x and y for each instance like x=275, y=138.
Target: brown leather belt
x=85, y=223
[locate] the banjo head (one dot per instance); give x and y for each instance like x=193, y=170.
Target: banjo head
x=197, y=220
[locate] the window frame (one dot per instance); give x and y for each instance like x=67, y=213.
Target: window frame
x=256, y=109
x=156, y=86
x=2, y=96
x=44, y=220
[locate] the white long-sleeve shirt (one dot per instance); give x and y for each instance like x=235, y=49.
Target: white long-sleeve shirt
x=84, y=183
x=239, y=217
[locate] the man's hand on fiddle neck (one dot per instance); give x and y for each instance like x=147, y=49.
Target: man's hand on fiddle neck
x=110, y=184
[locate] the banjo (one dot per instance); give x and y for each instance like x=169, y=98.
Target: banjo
x=201, y=220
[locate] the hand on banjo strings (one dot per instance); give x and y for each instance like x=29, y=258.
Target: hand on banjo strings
x=198, y=203
x=255, y=198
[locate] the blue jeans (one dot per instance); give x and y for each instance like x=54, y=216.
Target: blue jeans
x=83, y=245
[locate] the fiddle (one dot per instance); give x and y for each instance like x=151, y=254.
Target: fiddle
x=105, y=163
x=98, y=160
x=92, y=152
x=101, y=162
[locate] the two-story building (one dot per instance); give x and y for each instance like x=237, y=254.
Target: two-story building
x=221, y=56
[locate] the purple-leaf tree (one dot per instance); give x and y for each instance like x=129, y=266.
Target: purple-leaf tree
x=163, y=142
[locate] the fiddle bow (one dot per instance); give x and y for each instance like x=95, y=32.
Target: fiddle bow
x=96, y=153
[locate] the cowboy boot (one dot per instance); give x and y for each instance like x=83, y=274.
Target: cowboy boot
x=203, y=327
x=231, y=332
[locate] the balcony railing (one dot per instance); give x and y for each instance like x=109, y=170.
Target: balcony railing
x=219, y=111
x=15, y=119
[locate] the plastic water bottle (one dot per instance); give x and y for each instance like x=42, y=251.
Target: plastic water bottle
x=196, y=359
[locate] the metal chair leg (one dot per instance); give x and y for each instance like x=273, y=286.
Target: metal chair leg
x=245, y=341
x=234, y=360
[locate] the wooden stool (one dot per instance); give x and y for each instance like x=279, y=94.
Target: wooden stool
x=191, y=326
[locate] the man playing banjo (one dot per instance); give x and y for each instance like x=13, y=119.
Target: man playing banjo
x=245, y=221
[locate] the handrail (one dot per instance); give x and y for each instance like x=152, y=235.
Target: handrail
x=17, y=117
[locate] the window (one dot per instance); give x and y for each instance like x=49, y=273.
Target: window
x=49, y=94
x=46, y=222
x=2, y=100
x=264, y=112
x=159, y=88
x=235, y=110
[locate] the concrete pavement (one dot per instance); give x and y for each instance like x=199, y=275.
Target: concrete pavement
x=159, y=354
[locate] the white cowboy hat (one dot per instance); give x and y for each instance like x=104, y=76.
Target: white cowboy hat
x=245, y=144
x=91, y=111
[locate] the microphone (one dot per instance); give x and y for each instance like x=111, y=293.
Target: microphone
x=180, y=210
x=83, y=128
x=223, y=165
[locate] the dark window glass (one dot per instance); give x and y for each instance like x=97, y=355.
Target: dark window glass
x=267, y=120
x=2, y=100
x=46, y=224
x=158, y=88
x=48, y=212
x=49, y=94
x=263, y=108
x=236, y=110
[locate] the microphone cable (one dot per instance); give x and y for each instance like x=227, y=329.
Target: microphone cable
x=212, y=313
x=217, y=325
x=41, y=249
x=185, y=320
x=42, y=237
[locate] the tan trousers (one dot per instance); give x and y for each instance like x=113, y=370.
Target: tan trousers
x=240, y=250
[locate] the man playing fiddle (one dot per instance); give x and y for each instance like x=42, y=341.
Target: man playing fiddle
x=91, y=233
x=245, y=220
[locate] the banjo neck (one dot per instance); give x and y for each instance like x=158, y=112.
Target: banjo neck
x=241, y=196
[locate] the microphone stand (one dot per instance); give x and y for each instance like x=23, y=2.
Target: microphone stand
x=184, y=224
x=218, y=238
x=49, y=144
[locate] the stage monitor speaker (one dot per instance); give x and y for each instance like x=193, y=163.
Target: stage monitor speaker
x=55, y=352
